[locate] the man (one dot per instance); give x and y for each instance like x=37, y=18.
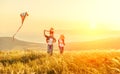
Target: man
x=50, y=40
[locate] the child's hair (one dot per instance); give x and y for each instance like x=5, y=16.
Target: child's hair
x=51, y=31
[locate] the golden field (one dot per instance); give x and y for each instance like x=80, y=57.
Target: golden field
x=71, y=62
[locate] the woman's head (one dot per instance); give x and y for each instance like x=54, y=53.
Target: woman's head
x=62, y=36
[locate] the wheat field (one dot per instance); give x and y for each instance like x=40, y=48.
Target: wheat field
x=71, y=62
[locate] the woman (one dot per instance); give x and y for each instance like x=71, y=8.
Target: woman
x=61, y=43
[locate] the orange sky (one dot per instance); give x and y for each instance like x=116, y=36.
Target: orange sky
x=61, y=14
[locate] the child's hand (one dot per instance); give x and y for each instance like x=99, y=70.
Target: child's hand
x=44, y=30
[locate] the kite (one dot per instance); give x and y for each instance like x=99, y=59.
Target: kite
x=23, y=16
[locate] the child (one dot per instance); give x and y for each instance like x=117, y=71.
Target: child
x=51, y=31
x=61, y=43
x=50, y=40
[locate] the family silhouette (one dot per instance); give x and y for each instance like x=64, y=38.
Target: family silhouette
x=50, y=40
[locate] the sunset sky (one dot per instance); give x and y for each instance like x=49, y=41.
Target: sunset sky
x=86, y=15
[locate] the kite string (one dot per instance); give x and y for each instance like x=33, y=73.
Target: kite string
x=17, y=31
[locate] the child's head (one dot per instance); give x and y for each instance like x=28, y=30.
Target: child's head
x=51, y=30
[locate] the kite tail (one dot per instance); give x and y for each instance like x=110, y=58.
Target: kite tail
x=17, y=31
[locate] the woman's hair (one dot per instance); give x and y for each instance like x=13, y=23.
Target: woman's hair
x=62, y=36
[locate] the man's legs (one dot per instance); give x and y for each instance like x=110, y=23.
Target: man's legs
x=50, y=49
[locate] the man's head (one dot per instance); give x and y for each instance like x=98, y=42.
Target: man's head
x=51, y=34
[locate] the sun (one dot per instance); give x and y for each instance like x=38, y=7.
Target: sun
x=93, y=25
